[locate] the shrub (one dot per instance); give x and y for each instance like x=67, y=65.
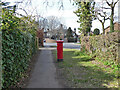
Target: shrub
x=72, y=39
x=69, y=32
x=102, y=45
x=77, y=53
x=96, y=31
x=81, y=52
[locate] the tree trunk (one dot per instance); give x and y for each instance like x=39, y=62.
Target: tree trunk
x=103, y=28
x=111, y=20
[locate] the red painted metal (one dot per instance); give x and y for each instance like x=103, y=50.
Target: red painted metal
x=60, y=50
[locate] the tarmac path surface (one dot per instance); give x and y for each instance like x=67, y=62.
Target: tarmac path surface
x=44, y=72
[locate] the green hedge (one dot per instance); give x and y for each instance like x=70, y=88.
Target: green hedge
x=105, y=46
x=18, y=46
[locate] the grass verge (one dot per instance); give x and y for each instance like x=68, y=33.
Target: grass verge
x=81, y=71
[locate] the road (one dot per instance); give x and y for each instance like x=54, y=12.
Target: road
x=65, y=45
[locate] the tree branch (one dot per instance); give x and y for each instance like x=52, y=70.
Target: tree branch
x=99, y=19
x=105, y=8
x=101, y=15
x=24, y=10
x=107, y=18
x=108, y=3
x=115, y=3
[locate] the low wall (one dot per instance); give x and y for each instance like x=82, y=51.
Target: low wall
x=105, y=46
x=50, y=40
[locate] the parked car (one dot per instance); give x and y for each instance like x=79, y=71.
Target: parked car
x=44, y=40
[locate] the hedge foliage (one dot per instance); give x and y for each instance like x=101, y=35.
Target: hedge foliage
x=18, y=46
x=106, y=48
x=102, y=45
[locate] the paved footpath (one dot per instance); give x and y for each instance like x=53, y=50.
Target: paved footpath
x=44, y=72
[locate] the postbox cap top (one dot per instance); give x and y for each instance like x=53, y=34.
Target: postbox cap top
x=60, y=41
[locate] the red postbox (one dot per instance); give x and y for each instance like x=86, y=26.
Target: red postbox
x=60, y=50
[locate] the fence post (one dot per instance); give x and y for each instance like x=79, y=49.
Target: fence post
x=37, y=42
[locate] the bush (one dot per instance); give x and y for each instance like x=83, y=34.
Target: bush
x=53, y=37
x=96, y=31
x=72, y=39
x=69, y=32
x=80, y=53
x=77, y=53
x=102, y=45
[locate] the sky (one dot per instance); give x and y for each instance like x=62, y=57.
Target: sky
x=66, y=15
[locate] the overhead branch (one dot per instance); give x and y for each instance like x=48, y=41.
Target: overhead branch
x=24, y=11
x=101, y=15
x=107, y=18
x=105, y=8
x=108, y=3
x=33, y=10
x=60, y=2
x=115, y=3
x=20, y=14
x=99, y=19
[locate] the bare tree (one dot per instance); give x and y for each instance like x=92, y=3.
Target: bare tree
x=101, y=15
x=60, y=3
x=43, y=23
x=102, y=20
x=53, y=22
x=111, y=4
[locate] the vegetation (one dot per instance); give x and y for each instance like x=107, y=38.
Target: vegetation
x=111, y=4
x=69, y=32
x=18, y=46
x=96, y=31
x=85, y=12
x=72, y=39
x=98, y=68
x=102, y=17
x=103, y=46
x=70, y=36
x=80, y=70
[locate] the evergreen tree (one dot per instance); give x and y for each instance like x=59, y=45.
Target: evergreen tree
x=69, y=32
x=85, y=12
x=96, y=31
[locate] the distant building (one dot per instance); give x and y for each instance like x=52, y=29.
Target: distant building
x=40, y=35
x=58, y=33
x=116, y=27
